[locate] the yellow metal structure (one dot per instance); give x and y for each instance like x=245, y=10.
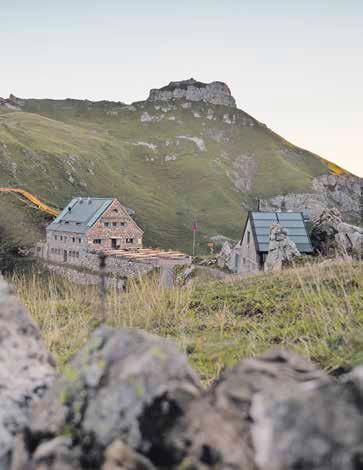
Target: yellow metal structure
x=40, y=205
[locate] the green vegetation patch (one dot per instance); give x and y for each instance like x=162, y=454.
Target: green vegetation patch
x=316, y=310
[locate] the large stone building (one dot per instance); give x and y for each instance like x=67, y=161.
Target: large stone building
x=91, y=225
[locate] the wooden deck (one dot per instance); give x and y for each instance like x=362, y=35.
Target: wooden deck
x=145, y=254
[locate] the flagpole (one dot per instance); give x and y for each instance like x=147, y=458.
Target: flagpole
x=193, y=243
x=194, y=229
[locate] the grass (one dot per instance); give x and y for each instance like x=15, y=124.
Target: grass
x=316, y=310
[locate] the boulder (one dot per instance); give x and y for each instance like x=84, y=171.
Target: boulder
x=281, y=250
x=331, y=236
x=26, y=369
x=317, y=426
x=216, y=430
x=124, y=386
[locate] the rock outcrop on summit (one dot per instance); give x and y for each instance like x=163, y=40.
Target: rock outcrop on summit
x=192, y=90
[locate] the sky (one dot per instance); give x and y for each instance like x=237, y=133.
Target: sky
x=296, y=65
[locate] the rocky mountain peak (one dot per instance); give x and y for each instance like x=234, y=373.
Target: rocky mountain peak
x=192, y=90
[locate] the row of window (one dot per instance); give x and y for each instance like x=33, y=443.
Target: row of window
x=99, y=241
x=63, y=238
x=115, y=224
x=59, y=251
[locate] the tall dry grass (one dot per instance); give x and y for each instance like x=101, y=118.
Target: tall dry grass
x=316, y=310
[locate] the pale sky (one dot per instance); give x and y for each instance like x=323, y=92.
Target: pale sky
x=296, y=65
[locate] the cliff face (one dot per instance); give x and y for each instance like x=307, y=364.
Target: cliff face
x=327, y=191
x=192, y=90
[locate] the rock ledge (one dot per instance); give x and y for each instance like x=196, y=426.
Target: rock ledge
x=192, y=90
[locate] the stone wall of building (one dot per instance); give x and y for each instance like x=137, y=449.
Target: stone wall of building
x=85, y=278
x=115, y=224
x=85, y=269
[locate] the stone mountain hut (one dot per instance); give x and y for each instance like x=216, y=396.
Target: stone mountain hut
x=89, y=225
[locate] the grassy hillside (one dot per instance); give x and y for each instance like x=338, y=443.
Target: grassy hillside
x=168, y=161
x=315, y=310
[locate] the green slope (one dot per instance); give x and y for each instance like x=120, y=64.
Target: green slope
x=168, y=161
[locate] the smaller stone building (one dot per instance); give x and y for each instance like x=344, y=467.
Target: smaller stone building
x=250, y=254
x=89, y=225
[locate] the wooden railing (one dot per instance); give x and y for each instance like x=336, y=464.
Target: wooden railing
x=34, y=200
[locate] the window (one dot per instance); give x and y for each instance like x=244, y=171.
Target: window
x=79, y=240
x=74, y=239
x=61, y=237
x=106, y=224
x=65, y=239
x=123, y=224
x=77, y=254
x=114, y=224
x=55, y=237
x=97, y=241
x=244, y=260
x=129, y=240
x=248, y=236
x=115, y=210
x=66, y=222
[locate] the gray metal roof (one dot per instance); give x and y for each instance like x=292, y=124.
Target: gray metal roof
x=80, y=214
x=293, y=222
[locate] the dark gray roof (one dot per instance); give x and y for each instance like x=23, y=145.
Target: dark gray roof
x=293, y=222
x=80, y=214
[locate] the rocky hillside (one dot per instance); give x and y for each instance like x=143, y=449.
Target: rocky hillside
x=185, y=151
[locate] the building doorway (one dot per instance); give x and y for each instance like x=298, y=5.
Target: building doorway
x=65, y=256
x=114, y=243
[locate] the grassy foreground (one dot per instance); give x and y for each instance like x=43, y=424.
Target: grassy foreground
x=316, y=310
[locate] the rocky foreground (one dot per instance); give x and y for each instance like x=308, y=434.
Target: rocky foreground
x=129, y=400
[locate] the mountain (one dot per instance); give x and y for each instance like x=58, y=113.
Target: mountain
x=186, y=151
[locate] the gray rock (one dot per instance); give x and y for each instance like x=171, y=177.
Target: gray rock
x=327, y=191
x=26, y=369
x=215, y=432
x=192, y=90
x=123, y=385
x=331, y=236
x=281, y=250
x=314, y=427
x=120, y=456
